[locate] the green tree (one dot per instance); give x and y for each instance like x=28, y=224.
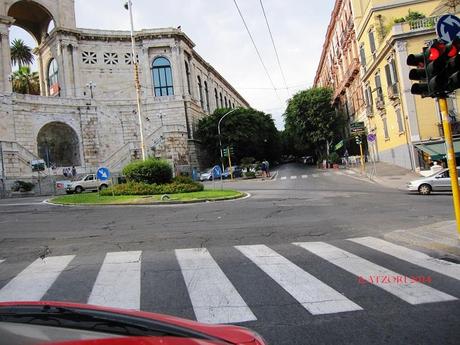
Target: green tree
x=21, y=54
x=312, y=122
x=251, y=133
x=25, y=81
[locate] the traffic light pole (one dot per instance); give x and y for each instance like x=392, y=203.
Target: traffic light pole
x=451, y=162
x=362, y=157
x=229, y=163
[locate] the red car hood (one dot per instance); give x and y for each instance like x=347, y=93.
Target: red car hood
x=140, y=341
x=229, y=333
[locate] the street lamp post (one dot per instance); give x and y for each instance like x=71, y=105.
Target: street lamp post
x=128, y=6
x=220, y=139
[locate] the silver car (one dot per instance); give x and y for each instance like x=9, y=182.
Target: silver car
x=438, y=182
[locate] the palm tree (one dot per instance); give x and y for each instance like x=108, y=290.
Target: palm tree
x=21, y=54
x=25, y=81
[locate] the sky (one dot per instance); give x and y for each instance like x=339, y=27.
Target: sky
x=298, y=28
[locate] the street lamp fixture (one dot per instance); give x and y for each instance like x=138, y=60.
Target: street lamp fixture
x=129, y=6
x=220, y=139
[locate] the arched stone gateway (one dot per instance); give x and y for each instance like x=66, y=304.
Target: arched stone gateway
x=32, y=17
x=58, y=144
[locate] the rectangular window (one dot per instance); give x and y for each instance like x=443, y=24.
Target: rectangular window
x=369, y=95
x=372, y=41
x=378, y=87
x=385, y=127
x=388, y=75
x=400, y=120
x=362, y=55
x=394, y=73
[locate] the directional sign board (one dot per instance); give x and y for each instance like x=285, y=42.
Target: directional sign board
x=448, y=27
x=216, y=171
x=357, y=127
x=103, y=174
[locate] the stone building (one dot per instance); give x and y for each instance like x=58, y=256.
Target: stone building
x=339, y=66
x=86, y=114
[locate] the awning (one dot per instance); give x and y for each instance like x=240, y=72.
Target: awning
x=437, y=150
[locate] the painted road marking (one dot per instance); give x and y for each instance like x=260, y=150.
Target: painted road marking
x=411, y=292
x=304, y=176
x=417, y=258
x=293, y=177
x=339, y=173
x=283, y=177
x=35, y=280
x=118, y=283
x=351, y=172
x=327, y=174
x=213, y=296
x=314, y=175
x=317, y=297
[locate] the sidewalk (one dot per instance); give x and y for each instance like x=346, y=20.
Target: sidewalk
x=441, y=238
x=388, y=175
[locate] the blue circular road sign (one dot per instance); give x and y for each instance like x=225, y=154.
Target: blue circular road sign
x=103, y=174
x=448, y=28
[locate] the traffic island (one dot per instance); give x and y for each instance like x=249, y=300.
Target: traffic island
x=158, y=199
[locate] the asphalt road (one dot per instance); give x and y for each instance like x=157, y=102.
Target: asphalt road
x=246, y=265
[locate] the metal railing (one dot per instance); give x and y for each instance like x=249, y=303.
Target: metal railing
x=424, y=23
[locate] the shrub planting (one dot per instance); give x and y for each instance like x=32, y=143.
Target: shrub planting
x=150, y=171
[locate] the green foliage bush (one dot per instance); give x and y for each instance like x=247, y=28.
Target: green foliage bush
x=140, y=188
x=334, y=158
x=150, y=171
x=183, y=179
x=22, y=186
x=250, y=174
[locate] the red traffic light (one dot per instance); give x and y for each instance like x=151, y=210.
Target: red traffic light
x=435, y=53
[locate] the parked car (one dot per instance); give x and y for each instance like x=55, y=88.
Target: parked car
x=206, y=175
x=237, y=171
x=62, y=184
x=437, y=182
x=79, y=324
x=87, y=182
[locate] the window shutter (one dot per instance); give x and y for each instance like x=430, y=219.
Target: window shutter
x=363, y=56
x=388, y=75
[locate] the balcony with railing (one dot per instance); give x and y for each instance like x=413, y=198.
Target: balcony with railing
x=350, y=72
x=415, y=25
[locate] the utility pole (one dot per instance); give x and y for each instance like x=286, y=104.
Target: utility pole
x=128, y=6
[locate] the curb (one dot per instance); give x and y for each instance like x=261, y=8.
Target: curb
x=244, y=195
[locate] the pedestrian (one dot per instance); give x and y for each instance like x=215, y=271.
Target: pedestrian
x=64, y=172
x=345, y=155
x=74, y=171
x=264, y=169
x=267, y=166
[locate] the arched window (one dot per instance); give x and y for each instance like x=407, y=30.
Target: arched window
x=187, y=72
x=206, y=92
x=217, y=98
x=226, y=103
x=162, y=77
x=53, y=82
x=221, y=100
x=200, y=92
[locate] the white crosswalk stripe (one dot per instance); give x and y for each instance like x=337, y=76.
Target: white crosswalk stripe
x=213, y=296
x=326, y=174
x=33, y=282
x=283, y=177
x=411, y=292
x=351, y=172
x=293, y=177
x=314, y=175
x=118, y=283
x=304, y=176
x=339, y=173
x=317, y=297
x=417, y=258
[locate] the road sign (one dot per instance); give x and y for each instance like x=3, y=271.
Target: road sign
x=216, y=171
x=37, y=165
x=371, y=137
x=103, y=174
x=448, y=27
x=357, y=127
x=338, y=145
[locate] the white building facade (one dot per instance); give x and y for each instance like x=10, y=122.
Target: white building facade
x=86, y=114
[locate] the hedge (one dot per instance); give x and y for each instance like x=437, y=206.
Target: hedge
x=149, y=171
x=139, y=188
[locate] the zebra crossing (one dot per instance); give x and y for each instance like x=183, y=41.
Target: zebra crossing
x=216, y=297
x=347, y=172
